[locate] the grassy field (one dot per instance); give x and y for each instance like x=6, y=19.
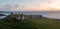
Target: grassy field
x=44, y=23
x=35, y=23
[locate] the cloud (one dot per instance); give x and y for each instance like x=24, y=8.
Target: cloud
x=11, y=8
x=37, y=7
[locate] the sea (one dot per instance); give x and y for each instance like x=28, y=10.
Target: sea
x=47, y=14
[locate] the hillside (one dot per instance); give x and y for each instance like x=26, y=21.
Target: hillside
x=44, y=23
x=36, y=23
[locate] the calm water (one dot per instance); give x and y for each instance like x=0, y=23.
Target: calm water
x=54, y=15
x=1, y=17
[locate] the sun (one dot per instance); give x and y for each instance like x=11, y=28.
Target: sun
x=54, y=5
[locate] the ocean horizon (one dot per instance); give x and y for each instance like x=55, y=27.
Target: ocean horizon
x=53, y=15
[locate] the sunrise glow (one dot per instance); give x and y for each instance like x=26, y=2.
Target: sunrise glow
x=29, y=5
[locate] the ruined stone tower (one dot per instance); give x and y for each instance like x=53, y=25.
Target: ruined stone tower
x=21, y=16
x=11, y=13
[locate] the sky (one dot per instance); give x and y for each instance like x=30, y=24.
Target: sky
x=29, y=5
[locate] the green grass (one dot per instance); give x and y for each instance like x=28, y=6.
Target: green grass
x=15, y=25
x=36, y=23
x=44, y=23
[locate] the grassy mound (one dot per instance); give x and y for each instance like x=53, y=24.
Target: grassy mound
x=11, y=23
x=44, y=23
x=37, y=23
